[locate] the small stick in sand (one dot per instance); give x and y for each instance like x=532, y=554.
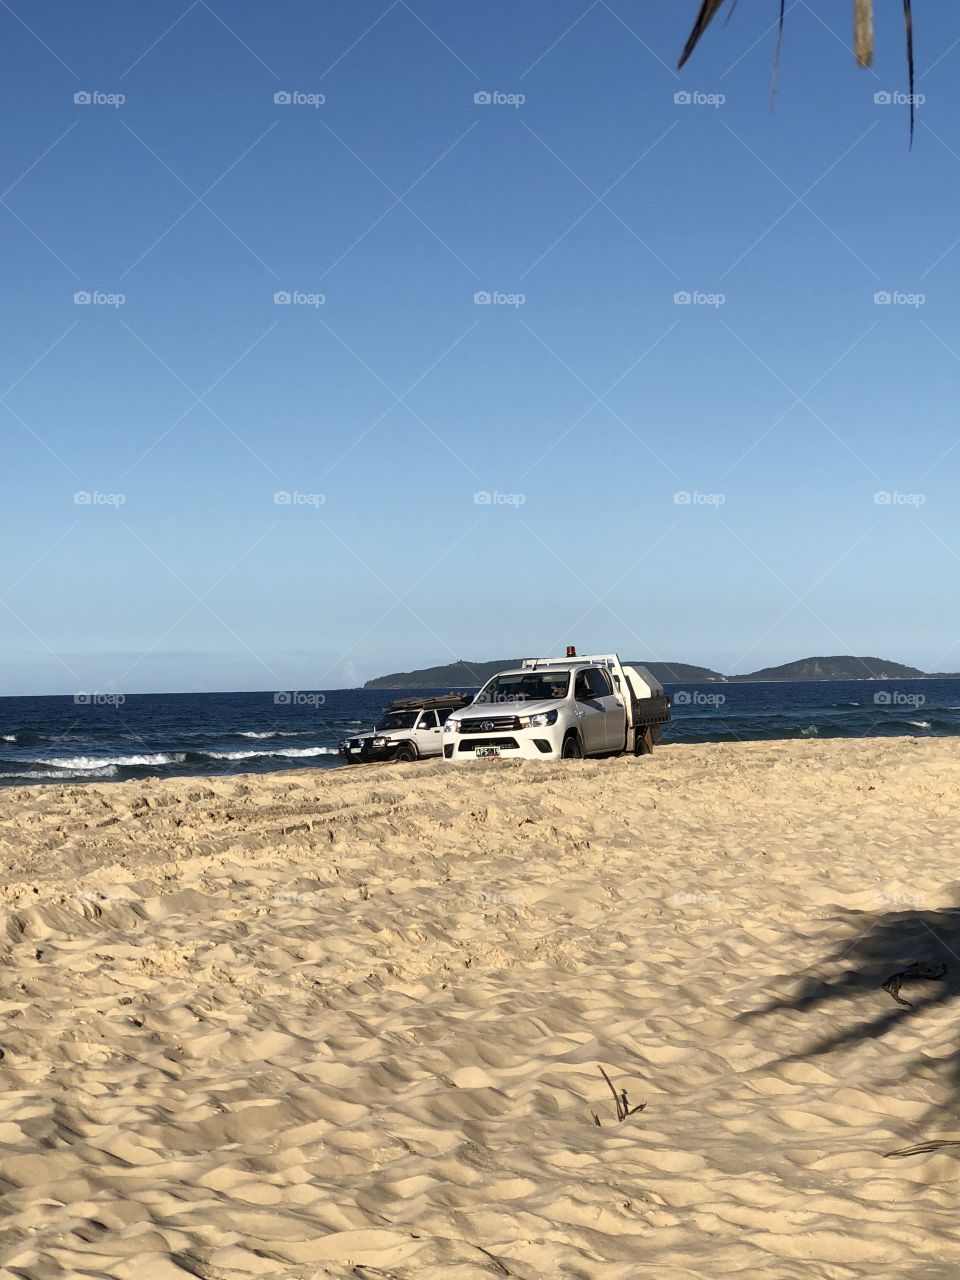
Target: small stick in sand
x=918, y=970
x=622, y=1102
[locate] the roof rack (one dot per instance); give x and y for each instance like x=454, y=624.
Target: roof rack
x=433, y=703
x=594, y=660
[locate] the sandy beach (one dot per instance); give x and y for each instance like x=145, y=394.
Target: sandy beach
x=350, y=1023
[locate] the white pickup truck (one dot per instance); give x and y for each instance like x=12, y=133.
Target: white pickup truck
x=560, y=708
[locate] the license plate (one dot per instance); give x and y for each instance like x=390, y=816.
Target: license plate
x=488, y=753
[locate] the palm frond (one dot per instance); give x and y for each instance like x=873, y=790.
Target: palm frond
x=862, y=39
x=908, y=23
x=708, y=11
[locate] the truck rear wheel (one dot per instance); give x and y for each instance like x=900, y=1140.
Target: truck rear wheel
x=643, y=740
x=572, y=748
x=406, y=754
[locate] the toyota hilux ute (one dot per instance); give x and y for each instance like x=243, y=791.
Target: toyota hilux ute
x=560, y=709
x=409, y=729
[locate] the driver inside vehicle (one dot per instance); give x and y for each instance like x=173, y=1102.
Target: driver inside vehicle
x=559, y=690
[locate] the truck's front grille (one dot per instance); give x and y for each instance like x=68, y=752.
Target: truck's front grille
x=489, y=724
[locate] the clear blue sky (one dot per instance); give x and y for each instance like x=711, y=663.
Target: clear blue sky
x=596, y=400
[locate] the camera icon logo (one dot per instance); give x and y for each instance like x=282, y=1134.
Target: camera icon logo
x=883, y=98
x=682, y=298
x=483, y=98
x=882, y=299
x=282, y=298
x=883, y=498
x=82, y=298
x=682, y=498
x=683, y=98
x=282, y=699
x=682, y=698
x=82, y=98
x=283, y=98
x=82, y=498
x=883, y=699
x=482, y=498
x=482, y=298
x=283, y=498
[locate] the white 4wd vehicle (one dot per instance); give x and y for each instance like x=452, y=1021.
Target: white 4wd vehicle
x=560, y=708
x=409, y=729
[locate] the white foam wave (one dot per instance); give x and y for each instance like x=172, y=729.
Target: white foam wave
x=290, y=753
x=62, y=775
x=8, y=737
x=920, y=724
x=91, y=763
x=272, y=733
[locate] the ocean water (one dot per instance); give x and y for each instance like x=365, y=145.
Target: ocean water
x=59, y=739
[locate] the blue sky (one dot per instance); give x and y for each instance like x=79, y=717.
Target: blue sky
x=182, y=399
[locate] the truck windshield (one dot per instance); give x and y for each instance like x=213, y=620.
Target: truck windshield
x=397, y=720
x=525, y=686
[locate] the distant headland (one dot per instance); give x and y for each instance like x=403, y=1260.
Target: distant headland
x=469, y=675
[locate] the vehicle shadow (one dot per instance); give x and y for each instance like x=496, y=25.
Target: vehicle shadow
x=910, y=961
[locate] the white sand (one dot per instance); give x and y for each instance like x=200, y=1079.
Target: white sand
x=349, y=1023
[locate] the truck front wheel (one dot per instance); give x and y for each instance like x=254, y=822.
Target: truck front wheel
x=572, y=748
x=406, y=754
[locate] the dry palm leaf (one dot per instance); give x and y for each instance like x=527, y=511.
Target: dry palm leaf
x=863, y=31
x=862, y=37
x=922, y=1148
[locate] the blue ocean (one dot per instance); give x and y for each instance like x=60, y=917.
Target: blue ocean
x=105, y=737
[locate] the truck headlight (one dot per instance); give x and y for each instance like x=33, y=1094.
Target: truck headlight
x=380, y=742
x=452, y=726
x=538, y=720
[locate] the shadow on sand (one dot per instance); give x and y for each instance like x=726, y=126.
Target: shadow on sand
x=909, y=962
